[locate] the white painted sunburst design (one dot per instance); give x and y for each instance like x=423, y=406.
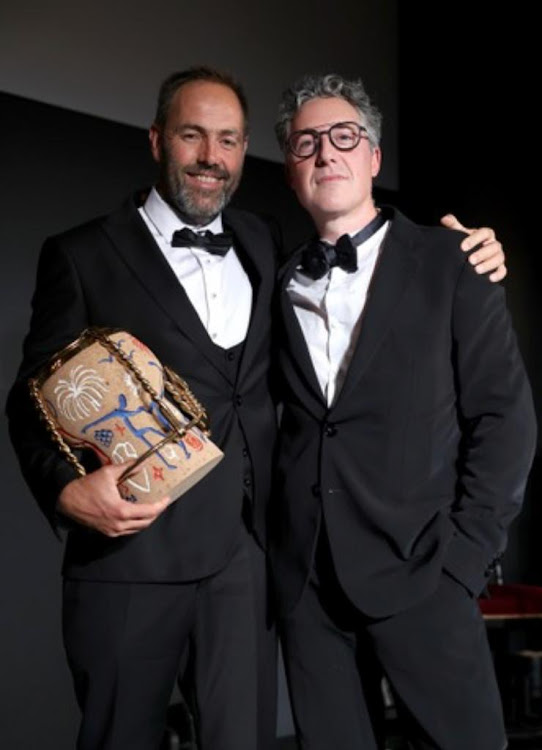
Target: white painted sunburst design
x=81, y=393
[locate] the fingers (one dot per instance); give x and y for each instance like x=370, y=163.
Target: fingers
x=489, y=256
x=499, y=274
x=134, y=517
x=481, y=236
x=451, y=222
x=478, y=236
x=94, y=501
x=122, y=518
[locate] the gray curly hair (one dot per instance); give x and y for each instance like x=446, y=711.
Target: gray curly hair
x=327, y=86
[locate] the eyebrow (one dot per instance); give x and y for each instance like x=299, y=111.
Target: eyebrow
x=204, y=131
x=315, y=128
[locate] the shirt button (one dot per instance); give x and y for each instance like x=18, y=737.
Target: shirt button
x=316, y=491
x=213, y=335
x=329, y=429
x=247, y=481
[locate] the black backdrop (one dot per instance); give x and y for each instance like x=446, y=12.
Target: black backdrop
x=468, y=143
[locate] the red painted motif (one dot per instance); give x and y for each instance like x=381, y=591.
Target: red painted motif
x=139, y=344
x=193, y=441
x=158, y=473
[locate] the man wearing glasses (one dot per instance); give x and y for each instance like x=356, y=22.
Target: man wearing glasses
x=407, y=435
x=145, y=584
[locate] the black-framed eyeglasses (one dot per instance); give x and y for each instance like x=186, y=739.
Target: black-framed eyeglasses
x=345, y=136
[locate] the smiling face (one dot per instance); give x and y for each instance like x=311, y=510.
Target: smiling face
x=334, y=186
x=200, y=150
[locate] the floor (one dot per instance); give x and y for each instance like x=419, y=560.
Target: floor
x=519, y=739
x=288, y=743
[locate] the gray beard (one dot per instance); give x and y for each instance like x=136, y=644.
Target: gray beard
x=184, y=199
x=190, y=210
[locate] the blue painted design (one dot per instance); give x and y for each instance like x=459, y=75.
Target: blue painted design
x=124, y=414
x=105, y=437
x=111, y=358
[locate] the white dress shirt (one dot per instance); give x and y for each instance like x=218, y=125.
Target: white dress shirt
x=217, y=286
x=330, y=312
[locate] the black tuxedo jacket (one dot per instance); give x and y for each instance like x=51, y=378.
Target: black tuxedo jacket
x=110, y=272
x=420, y=463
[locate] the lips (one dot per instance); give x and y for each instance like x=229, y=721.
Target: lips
x=208, y=176
x=329, y=177
x=205, y=177
x=205, y=183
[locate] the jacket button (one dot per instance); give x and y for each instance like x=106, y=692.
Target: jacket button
x=238, y=400
x=316, y=491
x=245, y=452
x=230, y=356
x=247, y=481
x=329, y=429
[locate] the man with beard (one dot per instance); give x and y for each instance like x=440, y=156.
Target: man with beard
x=142, y=584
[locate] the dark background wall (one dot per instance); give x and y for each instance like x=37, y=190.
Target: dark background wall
x=106, y=59
x=467, y=144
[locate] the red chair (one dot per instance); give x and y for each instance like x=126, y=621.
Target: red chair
x=513, y=615
x=511, y=601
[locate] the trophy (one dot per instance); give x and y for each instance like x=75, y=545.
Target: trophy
x=106, y=391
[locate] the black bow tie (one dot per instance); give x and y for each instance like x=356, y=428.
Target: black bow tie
x=218, y=244
x=318, y=257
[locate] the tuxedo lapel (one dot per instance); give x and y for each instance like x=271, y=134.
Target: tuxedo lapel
x=393, y=273
x=293, y=333
x=132, y=240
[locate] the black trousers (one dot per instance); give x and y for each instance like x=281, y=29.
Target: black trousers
x=435, y=656
x=266, y=648
x=267, y=653
x=125, y=641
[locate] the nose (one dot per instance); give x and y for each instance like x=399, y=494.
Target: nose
x=208, y=151
x=325, y=151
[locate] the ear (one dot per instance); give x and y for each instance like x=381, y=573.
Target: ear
x=376, y=161
x=155, y=140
